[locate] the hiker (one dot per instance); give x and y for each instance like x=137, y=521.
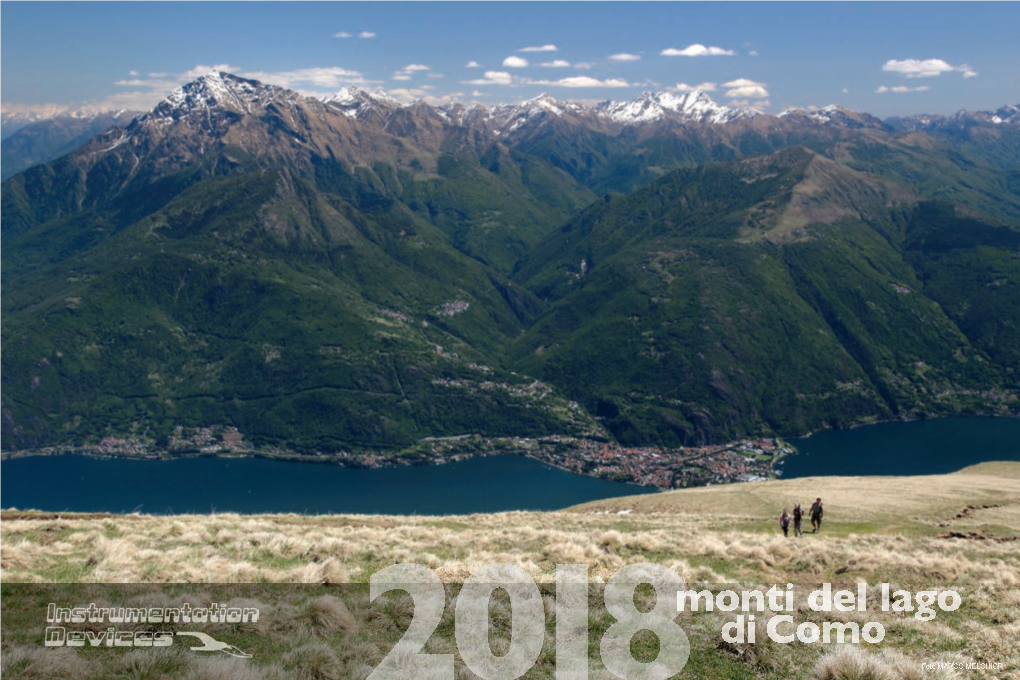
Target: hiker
x=798, y=516
x=816, y=515
x=784, y=523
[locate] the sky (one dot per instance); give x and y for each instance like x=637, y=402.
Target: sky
x=884, y=58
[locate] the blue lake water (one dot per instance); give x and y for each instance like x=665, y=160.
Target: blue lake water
x=250, y=485
x=492, y=484
x=922, y=447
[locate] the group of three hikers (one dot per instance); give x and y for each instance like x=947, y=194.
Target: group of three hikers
x=798, y=515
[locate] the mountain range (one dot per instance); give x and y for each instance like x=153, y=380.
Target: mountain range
x=31, y=139
x=355, y=273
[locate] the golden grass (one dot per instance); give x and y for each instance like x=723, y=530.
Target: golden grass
x=891, y=504
x=876, y=528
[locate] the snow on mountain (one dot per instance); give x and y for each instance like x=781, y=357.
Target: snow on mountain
x=357, y=103
x=834, y=115
x=693, y=106
x=216, y=93
x=13, y=118
x=506, y=118
x=1006, y=115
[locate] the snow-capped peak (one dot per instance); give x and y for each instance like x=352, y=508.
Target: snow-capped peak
x=693, y=106
x=355, y=94
x=833, y=115
x=546, y=102
x=355, y=102
x=218, y=91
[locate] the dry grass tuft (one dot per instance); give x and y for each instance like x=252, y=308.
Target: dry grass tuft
x=24, y=661
x=324, y=616
x=850, y=662
x=220, y=668
x=151, y=663
x=765, y=654
x=313, y=661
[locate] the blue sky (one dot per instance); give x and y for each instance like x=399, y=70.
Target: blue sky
x=888, y=59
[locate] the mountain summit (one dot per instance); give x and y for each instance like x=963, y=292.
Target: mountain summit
x=218, y=92
x=363, y=105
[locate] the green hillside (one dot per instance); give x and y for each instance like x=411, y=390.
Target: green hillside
x=302, y=315
x=773, y=294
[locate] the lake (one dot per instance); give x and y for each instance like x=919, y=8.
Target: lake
x=251, y=485
x=920, y=447
x=491, y=484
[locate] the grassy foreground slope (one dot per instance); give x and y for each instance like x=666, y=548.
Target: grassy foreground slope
x=914, y=506
x=956, y=530
x=715, y=533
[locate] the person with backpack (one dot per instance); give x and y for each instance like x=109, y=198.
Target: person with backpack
x=784, y=523
x=798, y=516
x=816, y=515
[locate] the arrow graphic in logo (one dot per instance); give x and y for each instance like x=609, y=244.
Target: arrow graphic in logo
x=210, y=644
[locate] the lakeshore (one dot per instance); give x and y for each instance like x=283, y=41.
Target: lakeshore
x=470, y=474
x=660, y=468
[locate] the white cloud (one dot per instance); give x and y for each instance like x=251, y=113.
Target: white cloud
x=472, y=64
x=624, y=56
x=515, y=62
x=505, y=78
x=326, y=77
x=584, y=81
x=367, y=35
x=202, y=70
x=925, y=68
x=343, y=34
x=697, y=50
x=584, y=65
x=901, y=89
x=746, y=89
x=477, y=93
x=146, y=92
x=705, y=87
x=493, y=78
x=846, y=91
x=540, y=48
x=748, y=104
x=753, y=53
x=410, y=71
x=133, y=73
x=408, y=95
x=556, y=63
x=439, y=100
